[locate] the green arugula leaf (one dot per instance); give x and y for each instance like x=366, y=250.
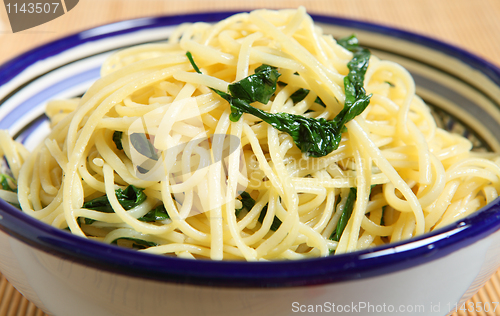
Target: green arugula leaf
x=4, y=182
x=258, y=87
x=345, y=216
x=356, y=99
x=247, y=202
x=137, y=243
x=382, y=221
x=159, y=213
x=276, y=221
x=317, y=137
x=350, y=43
x=117, y=139
x=128, y=199
x=301, y=94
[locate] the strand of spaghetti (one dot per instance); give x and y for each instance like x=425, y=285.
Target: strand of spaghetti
x=56, y=152
x=9, y=149
x=233, y=170
x=219, y=27
x=177, y=221
x=95, y=96
x=313, y=203
x=296, y=22
x=312, y=33
x=465, y=210
x=45, y=164
x=260, y=55
x=50, y=209
x=126, y=232
x=424, y=159
x=57, y=219
x=263, y=164
x=408, y=228
x=347, y=182
x=208, y=54
x=196, y=78
x=139, y=226
x=390, y=172
x=406, y=128
x=462, y=173
x=191, y=179
x=351, y=230
x=283, y=237
x=293, y=48
x=135, y=212
x=490, y=193
x=328, y=210
x=157, y=55
x=9, y=196
x=106, y=86
x=102, y=143
x=290, y=198
x=177, y=56
x=35, y=191
x=216, y=194
x=89, y=179
x=375, y=229
x=289, y=218
x=363, y=170
x=175, y=247
x=244, y=56
x=314, y=239
x=75, y=155
x=424, y=198
x=251, y=218
x=474, y=162
x=183, y=100
x=337, y=57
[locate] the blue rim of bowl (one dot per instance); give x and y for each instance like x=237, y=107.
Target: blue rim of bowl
x=358, y=265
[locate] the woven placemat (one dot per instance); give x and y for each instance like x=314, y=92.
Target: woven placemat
x=471, y=25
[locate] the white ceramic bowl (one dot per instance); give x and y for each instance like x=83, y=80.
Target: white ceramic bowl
x=429, y=275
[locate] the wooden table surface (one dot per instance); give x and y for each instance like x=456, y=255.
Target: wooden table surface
x=473, y=25
x=470, y=24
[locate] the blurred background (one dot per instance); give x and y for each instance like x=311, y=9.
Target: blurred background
x=473, y=25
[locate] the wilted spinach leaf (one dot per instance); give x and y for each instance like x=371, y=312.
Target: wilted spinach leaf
x=346, y=215
x=128, y=198
x=4, y=182
x=159, y=213
x=247, y=202
x=137, y=243
x=117, y=139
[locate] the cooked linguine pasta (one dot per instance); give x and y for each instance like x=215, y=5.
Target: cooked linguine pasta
x=159, y=155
